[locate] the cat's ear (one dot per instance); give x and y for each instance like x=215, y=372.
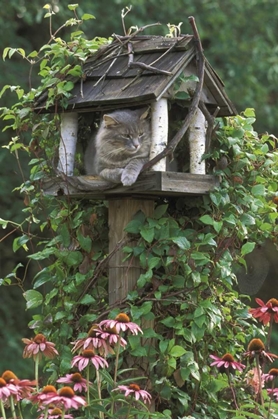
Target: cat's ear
x=109, y=120
x=145, y=113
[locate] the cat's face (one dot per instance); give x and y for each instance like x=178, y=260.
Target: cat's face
x=127, y=130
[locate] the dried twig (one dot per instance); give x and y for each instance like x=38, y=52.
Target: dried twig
x=165, y=53
x=109, y=67
x=123, y=15
x=143, y=66
x=129, y=37
x=169, y=149
x=210, y=120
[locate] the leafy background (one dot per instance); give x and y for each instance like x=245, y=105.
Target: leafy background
x=239, y=39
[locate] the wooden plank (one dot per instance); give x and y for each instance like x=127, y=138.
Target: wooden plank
x=123, y=275
x=111, y=91
x=161, y=43
x=149, y=184
x=120, y=67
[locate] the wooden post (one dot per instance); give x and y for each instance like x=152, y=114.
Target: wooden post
x=68, y=139
x=123, y=275
x=197, y=143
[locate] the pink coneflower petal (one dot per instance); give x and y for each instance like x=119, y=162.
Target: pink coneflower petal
x=226, y=362
x=88, y=356
x=121, y=323
x=134, y=389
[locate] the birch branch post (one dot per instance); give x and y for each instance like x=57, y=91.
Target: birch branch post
x=68, y=140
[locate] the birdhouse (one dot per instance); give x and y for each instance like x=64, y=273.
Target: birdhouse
x=164, y=74
x=172, y=77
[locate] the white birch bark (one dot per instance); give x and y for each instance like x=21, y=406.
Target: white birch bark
x=197, y=143
x=159, y=132
x=68, y=139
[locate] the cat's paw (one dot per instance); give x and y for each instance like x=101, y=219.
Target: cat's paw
x=128, y=178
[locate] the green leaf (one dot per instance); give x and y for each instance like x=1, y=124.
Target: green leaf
x=183, y=96
x=217, y=226
x=134, y=226
x=249, y=112
x=87, y=16
x=20, y=242
x=160, y=211
x=71, y=258
x=147, y=233
x=163, y=344
x=42, y=277
x=177, y=351
x=33, y=298
x=84, y=241
x=258, y=190
x=247, y=248
x=65, y=235
x=182, y=242
x=207, y=220
x=153, y=262
x=87, y=300
x=72, y=6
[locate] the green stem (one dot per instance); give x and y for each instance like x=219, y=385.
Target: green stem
x=46, y=413
x=117, y=351
x=117, y=359
x=19, y=409
x=270, y=399
x=260, y=379
x=269, y=334
x=88, y=385
x=36, y=359
x=12, y=407
x=232, y=388
x=3, y=409
x=101, y=414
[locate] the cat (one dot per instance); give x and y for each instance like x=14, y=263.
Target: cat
x=121, y=146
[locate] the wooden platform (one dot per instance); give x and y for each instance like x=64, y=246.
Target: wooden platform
x=149, y=184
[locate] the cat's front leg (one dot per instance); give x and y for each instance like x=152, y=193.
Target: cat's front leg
x=131, y=171
x=113, y=175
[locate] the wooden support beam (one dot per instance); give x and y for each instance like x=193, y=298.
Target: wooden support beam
x=149, y=184
x=123, y=275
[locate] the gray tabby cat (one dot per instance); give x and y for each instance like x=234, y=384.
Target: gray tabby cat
x=121, y=146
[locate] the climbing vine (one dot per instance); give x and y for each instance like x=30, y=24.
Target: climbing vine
x=190, y=252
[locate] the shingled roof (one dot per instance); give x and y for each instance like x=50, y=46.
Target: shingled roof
x=141, y=69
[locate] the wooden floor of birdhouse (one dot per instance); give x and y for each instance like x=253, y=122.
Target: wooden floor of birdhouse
x=149, y=184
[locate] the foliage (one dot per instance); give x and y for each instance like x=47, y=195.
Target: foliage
x=188, y=251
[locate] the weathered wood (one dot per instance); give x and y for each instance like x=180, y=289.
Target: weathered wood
x=149, y=184
x=123, y=275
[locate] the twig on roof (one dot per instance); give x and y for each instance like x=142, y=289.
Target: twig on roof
x=165, y=53
x=109, y=67
x=141, y=66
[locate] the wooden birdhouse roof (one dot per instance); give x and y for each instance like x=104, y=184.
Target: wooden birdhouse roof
x=141, y=69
